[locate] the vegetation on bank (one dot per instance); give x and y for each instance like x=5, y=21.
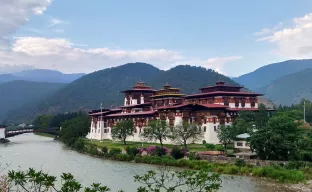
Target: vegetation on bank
x=44, y=134
x=292, y=172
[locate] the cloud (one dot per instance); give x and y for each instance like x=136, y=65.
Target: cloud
x=14, y=13
x=13, y=68
x=292, y=42
x=54, y=21
x=63, y=55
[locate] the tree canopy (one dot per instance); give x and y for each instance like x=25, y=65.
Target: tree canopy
x=122, y=130
x=157, y=130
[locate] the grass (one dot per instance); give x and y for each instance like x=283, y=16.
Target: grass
x=44, y=135
x=117, y=144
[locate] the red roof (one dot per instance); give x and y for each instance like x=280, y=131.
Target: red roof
x=146, y=90
x=214, y=106
x=190, y=104
x=132, y=114
x=224, y=93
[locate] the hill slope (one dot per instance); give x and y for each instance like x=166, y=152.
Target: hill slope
x=290, y=89
x=41, y=75
x=266, y=74
x=104, y=87
x=15, y=94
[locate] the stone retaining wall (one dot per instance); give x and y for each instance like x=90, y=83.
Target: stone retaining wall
x=232, y=160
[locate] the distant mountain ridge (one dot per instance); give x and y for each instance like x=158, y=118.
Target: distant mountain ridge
x=290, y=89
x=104, y=86
x=41, y=75
x=15, y=94
x=263, y=76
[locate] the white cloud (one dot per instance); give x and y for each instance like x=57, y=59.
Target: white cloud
x=293, y=42
x=65, y=56
x=54, y=21
x=61, y=54
x=14, y=13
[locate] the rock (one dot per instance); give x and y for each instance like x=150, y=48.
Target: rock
x=4, y=140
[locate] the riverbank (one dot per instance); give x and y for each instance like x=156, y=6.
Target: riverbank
x=120, y=145
x=287, y=174
x=44, y=135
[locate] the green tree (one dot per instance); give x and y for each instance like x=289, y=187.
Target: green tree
x=276, y=141
x=184, y=131
x=190, y=181
x=75, y=128
x=43, y=121
x=261, y=117
x=157, y=130
x=165, y=179
x=226, y=134
x=122, y=130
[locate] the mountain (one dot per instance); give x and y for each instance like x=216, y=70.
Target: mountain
x=104, y=86
x=41, y=75
x=290, y=89
x=266, y=74
x=15, y=94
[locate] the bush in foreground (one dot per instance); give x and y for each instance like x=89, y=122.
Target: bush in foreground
x=164, y=180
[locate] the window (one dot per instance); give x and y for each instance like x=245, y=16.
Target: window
x=205, y=129
x=214, y=120
x=200, y=129
x=215, y=128
x=204, y=102
x=98, y=130
x=243, y=102
x=240, y=144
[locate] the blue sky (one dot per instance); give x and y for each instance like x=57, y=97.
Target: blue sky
x=84, y=36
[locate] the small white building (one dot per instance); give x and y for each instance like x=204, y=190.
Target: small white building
x=243, y=147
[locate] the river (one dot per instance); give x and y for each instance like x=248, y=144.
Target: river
x=29, y=150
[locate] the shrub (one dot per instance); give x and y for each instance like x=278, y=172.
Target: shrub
x=104, y=150
x=124, y=157
x=114, y=151
x=157, y=151
x=92, y=149
x=204, y=142
x=177, y=153
x=193, y=156
x=240, y=162
x=219, y=147
x=79, y=145
x=132, y=151
x=295, y=165
x=210, y=146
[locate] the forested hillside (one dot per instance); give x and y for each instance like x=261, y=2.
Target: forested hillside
x=290, y=89
x=15, y=94
x=268, y=73
x=104, y=87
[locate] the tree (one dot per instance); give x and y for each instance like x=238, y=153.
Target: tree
x=226, y=134
x=157, y=130
x=261, y=117
x=122, y=130
x=275, y=141
x=190, y=181
x=43, y=121
x=185, y=131
x=74, y=129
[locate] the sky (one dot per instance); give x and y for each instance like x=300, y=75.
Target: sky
x=231, y=37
